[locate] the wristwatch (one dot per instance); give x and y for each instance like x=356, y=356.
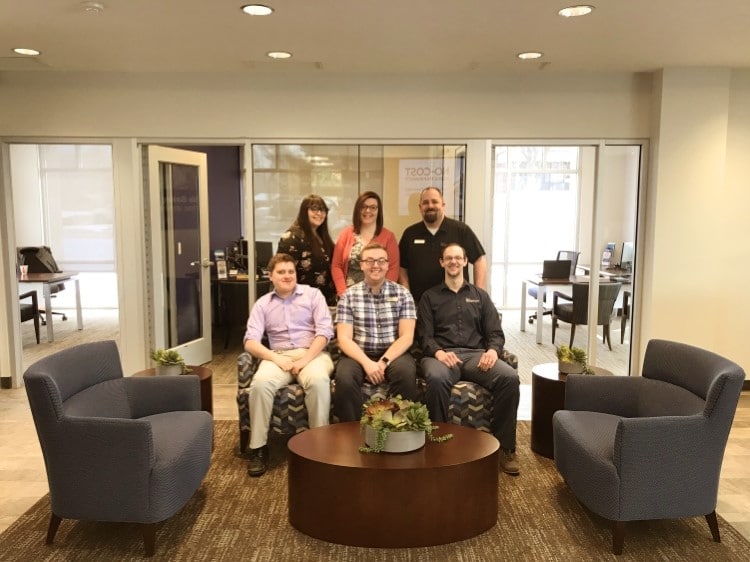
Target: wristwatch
x=385, y=360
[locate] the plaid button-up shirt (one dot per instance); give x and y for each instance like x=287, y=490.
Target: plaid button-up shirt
x=374, y=318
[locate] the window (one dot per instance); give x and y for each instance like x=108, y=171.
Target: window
x=536, y=194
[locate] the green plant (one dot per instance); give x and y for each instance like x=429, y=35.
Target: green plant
x=167, y=357
x=574, y=355
x=396, y=414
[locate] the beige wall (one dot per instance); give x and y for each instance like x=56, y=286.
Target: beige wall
x=693, y=289
x=698, y=121
x=324, y=106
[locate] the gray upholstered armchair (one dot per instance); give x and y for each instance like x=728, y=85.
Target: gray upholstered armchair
x=129, y=449
x=649, y=447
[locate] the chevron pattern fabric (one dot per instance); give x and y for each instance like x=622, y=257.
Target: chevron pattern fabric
x=470, y=405
x=289, y=414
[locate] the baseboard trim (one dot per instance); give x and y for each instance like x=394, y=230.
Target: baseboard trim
x=746, y=385
x=5, y=382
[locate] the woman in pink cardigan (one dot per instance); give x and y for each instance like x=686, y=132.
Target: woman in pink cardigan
x=367, y=226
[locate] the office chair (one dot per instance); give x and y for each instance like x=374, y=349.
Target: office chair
x=40, y=260
x=576, y=310
x=561, y=255
x=30, y=311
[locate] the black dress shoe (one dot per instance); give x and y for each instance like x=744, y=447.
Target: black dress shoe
x=258, y=461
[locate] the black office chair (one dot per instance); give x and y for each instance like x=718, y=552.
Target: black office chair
x=576, y=309
x=533, y=291
x=40, y=260
x=30, y=311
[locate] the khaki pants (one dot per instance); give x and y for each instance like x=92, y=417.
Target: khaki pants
x=315, y=379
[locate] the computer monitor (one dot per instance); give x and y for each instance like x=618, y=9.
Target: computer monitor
x=627, y=256
x=263, y=254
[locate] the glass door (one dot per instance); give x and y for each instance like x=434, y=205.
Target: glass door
x=580, y=197
x=180, y=265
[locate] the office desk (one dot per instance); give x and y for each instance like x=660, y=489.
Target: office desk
x=47, y=279
x=542, y=284
x=615, y=273
x=233, y=305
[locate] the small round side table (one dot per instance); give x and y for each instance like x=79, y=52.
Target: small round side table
x=204, y=375
x=548, y=396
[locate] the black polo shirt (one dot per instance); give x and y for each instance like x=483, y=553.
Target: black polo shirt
x=466, y=319
x=421, y=251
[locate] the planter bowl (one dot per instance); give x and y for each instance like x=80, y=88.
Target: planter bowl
x=169, y=369
x=396, y=441
x=569, y=368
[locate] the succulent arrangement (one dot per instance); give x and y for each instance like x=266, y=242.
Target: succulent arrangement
x=573, y=355
x=396, y=414
x=167, y=357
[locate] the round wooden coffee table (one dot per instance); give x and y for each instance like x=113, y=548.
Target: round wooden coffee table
x=441, y=493
x=548, y=396
x=203, y=373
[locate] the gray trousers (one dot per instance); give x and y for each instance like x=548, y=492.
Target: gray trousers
x=501, y=380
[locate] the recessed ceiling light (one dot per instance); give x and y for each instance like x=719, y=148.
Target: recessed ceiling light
x=27, y=52
x=574, y=11
x=279, y=55
x=92, y=7
x=530, y=55
x=257, y=10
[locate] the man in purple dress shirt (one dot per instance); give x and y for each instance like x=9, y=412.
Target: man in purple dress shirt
x=296, y=320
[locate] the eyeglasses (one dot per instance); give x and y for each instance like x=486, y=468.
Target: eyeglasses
x=317, y=209
x=450, y=259
x=369, y=207
x=370, y=262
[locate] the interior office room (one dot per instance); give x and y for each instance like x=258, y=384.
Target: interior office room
x=673, y=136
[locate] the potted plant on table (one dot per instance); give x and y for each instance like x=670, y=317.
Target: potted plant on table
x=572, y=360
x=168, y=362
x=395, y=425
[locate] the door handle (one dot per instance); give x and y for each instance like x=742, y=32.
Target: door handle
x=205, y=263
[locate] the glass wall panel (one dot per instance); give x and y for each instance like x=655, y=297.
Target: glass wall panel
x=283, y=174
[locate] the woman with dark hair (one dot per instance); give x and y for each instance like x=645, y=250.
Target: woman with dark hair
x=310, y=244
x=366, y=227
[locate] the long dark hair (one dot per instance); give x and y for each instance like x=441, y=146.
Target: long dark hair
x=357, y=216
x=303, y=223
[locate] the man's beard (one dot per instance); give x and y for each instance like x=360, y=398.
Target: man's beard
x=431, y=216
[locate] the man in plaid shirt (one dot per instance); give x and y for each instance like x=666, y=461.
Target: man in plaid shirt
x=375, y=322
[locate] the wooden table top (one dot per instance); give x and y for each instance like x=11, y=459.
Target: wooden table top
x=202, y=372
x=552, y=372
x=338, y=444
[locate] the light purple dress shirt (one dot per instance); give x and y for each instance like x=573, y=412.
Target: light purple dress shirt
x=292, y=322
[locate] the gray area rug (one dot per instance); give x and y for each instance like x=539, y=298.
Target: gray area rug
x=233, y=517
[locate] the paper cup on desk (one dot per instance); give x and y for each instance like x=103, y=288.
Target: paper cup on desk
x=24, y=270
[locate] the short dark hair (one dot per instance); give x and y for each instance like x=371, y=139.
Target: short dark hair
x=280, y=258
x=452, y=245
x=430, y=188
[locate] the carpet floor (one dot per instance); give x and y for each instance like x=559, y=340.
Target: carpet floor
x=235, y=517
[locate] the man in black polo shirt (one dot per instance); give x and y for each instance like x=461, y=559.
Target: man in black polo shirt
x=422, y=244
x=462, y=338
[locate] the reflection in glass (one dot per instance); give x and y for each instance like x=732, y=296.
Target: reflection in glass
x=182, y=248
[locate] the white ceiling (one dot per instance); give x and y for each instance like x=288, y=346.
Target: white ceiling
x=391, y=36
